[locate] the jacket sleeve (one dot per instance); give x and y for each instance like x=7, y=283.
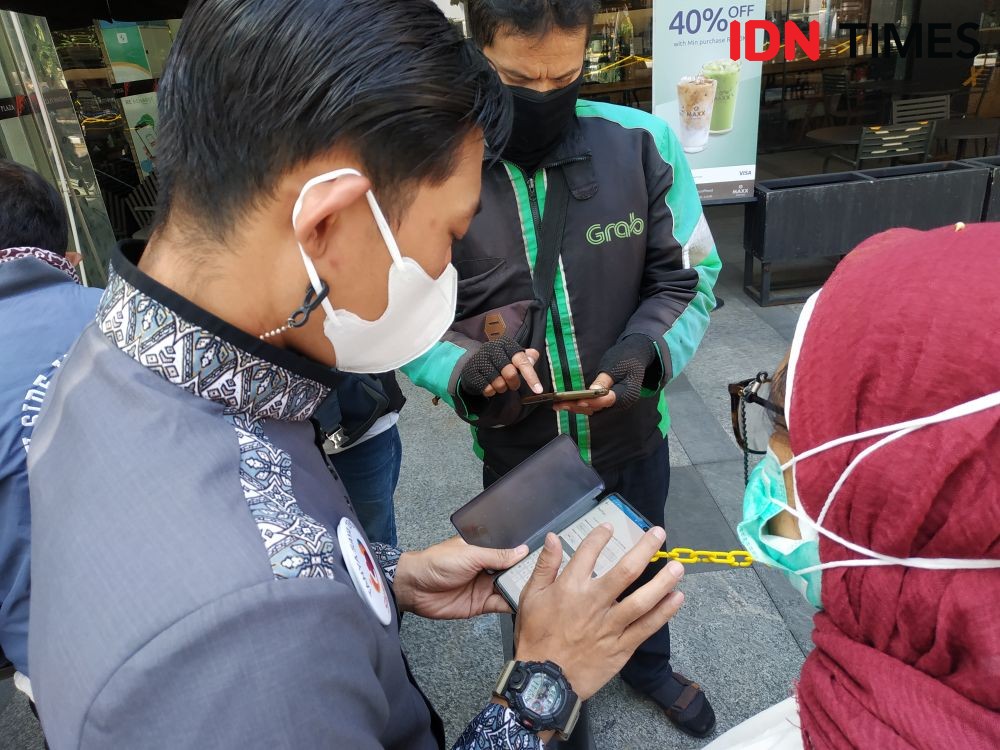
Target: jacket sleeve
x=496, y=728
x=439, y=371
x=280, y=664
x=15, y=525
x=682, y=263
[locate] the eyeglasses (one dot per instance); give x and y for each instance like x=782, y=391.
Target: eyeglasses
x=753, y=430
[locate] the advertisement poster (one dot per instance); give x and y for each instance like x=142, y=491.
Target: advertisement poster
x=140, y=114
x=126, y=52
x=710, y=101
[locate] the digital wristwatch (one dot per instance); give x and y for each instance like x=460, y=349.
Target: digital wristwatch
x=540, y=696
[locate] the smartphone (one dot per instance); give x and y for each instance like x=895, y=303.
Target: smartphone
x=629, y=527
x=560, y=396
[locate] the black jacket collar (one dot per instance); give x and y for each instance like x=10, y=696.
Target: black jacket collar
x=572, y=154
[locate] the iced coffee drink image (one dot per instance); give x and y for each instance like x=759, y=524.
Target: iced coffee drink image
x=695, y=97
x=726, y=73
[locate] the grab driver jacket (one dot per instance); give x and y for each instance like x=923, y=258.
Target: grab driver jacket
x=637, y=258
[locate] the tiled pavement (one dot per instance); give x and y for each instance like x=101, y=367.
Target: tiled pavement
x=742, y=633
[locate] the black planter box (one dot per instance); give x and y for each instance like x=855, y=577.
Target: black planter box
x=800, y=219
x=926, y=196
x=991, y=206
x=807, y=217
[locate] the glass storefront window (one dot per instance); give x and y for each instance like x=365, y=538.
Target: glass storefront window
x=40, y=129
x=618, y=65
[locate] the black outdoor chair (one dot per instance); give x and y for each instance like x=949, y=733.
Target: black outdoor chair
x=970, y=102
x=890, y=142
x=921, y=109
x=838, y=91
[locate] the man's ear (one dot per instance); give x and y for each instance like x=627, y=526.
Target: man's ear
x=321, y=207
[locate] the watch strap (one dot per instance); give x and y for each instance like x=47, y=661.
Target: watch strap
x=508, y=668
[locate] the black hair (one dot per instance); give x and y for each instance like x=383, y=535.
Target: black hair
x=31, y=212
x=254, y=88
x=533, y=18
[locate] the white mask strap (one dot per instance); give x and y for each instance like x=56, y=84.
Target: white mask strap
x=380, y=221
x=877, y=558
x=857, y=460
x=793, y=355
x=893, y=432
x=384, y=230
x=982, y=403
x=793, y=360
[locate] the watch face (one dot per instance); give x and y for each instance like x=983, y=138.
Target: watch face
x=542, y=695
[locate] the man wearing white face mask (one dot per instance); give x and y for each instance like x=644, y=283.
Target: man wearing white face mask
x=881, y=502
x=199, y=577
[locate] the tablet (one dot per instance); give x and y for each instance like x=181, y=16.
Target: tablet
x=629, y=527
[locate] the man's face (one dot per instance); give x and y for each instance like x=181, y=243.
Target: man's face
x=552, y=61
x=356, y=267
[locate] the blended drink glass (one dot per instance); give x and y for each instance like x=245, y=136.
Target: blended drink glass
x=726, y=73
x=695, y=97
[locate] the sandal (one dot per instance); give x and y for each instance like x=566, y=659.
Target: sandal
x=690, y=711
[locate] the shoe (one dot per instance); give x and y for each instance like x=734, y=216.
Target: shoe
x=686, y=705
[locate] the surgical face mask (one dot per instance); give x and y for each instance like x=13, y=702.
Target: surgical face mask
x=420, y=308
x=890, y=433
x=762, y=501
x=540, y=119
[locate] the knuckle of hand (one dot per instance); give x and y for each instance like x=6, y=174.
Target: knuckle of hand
x=631, y=568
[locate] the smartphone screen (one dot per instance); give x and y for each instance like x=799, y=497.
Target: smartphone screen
x=629, y=527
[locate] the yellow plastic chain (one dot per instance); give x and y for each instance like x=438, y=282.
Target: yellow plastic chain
x=737, y=558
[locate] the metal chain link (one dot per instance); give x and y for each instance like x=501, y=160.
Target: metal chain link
x=746, y=445
x=736, y=558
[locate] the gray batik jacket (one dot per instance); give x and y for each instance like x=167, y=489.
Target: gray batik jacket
x=188, y=590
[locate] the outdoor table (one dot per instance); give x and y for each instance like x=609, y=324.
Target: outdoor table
x=964, y=129
x=956, y=129
x=838, y=135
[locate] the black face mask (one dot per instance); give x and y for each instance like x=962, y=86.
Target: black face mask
x=540, y=119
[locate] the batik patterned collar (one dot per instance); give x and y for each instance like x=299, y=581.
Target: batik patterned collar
x=55, y=260
x=200, y=361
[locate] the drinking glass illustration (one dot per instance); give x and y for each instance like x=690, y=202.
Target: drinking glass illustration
x=695, y=97
x=726, y=73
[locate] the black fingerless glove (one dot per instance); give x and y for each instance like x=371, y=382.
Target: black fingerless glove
x=626, y=362
x=485, y=365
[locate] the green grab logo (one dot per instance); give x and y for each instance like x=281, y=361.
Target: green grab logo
x=598, y=235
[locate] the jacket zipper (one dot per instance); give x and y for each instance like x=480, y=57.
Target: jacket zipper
x=553, y=307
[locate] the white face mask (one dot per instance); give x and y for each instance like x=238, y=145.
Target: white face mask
x=892, y=432
x=420, y=308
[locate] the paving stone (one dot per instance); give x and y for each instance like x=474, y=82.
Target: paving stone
x=703, y=437
x=725, y=482
x=693, y=518
x=730, y=639
x=19, y=729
